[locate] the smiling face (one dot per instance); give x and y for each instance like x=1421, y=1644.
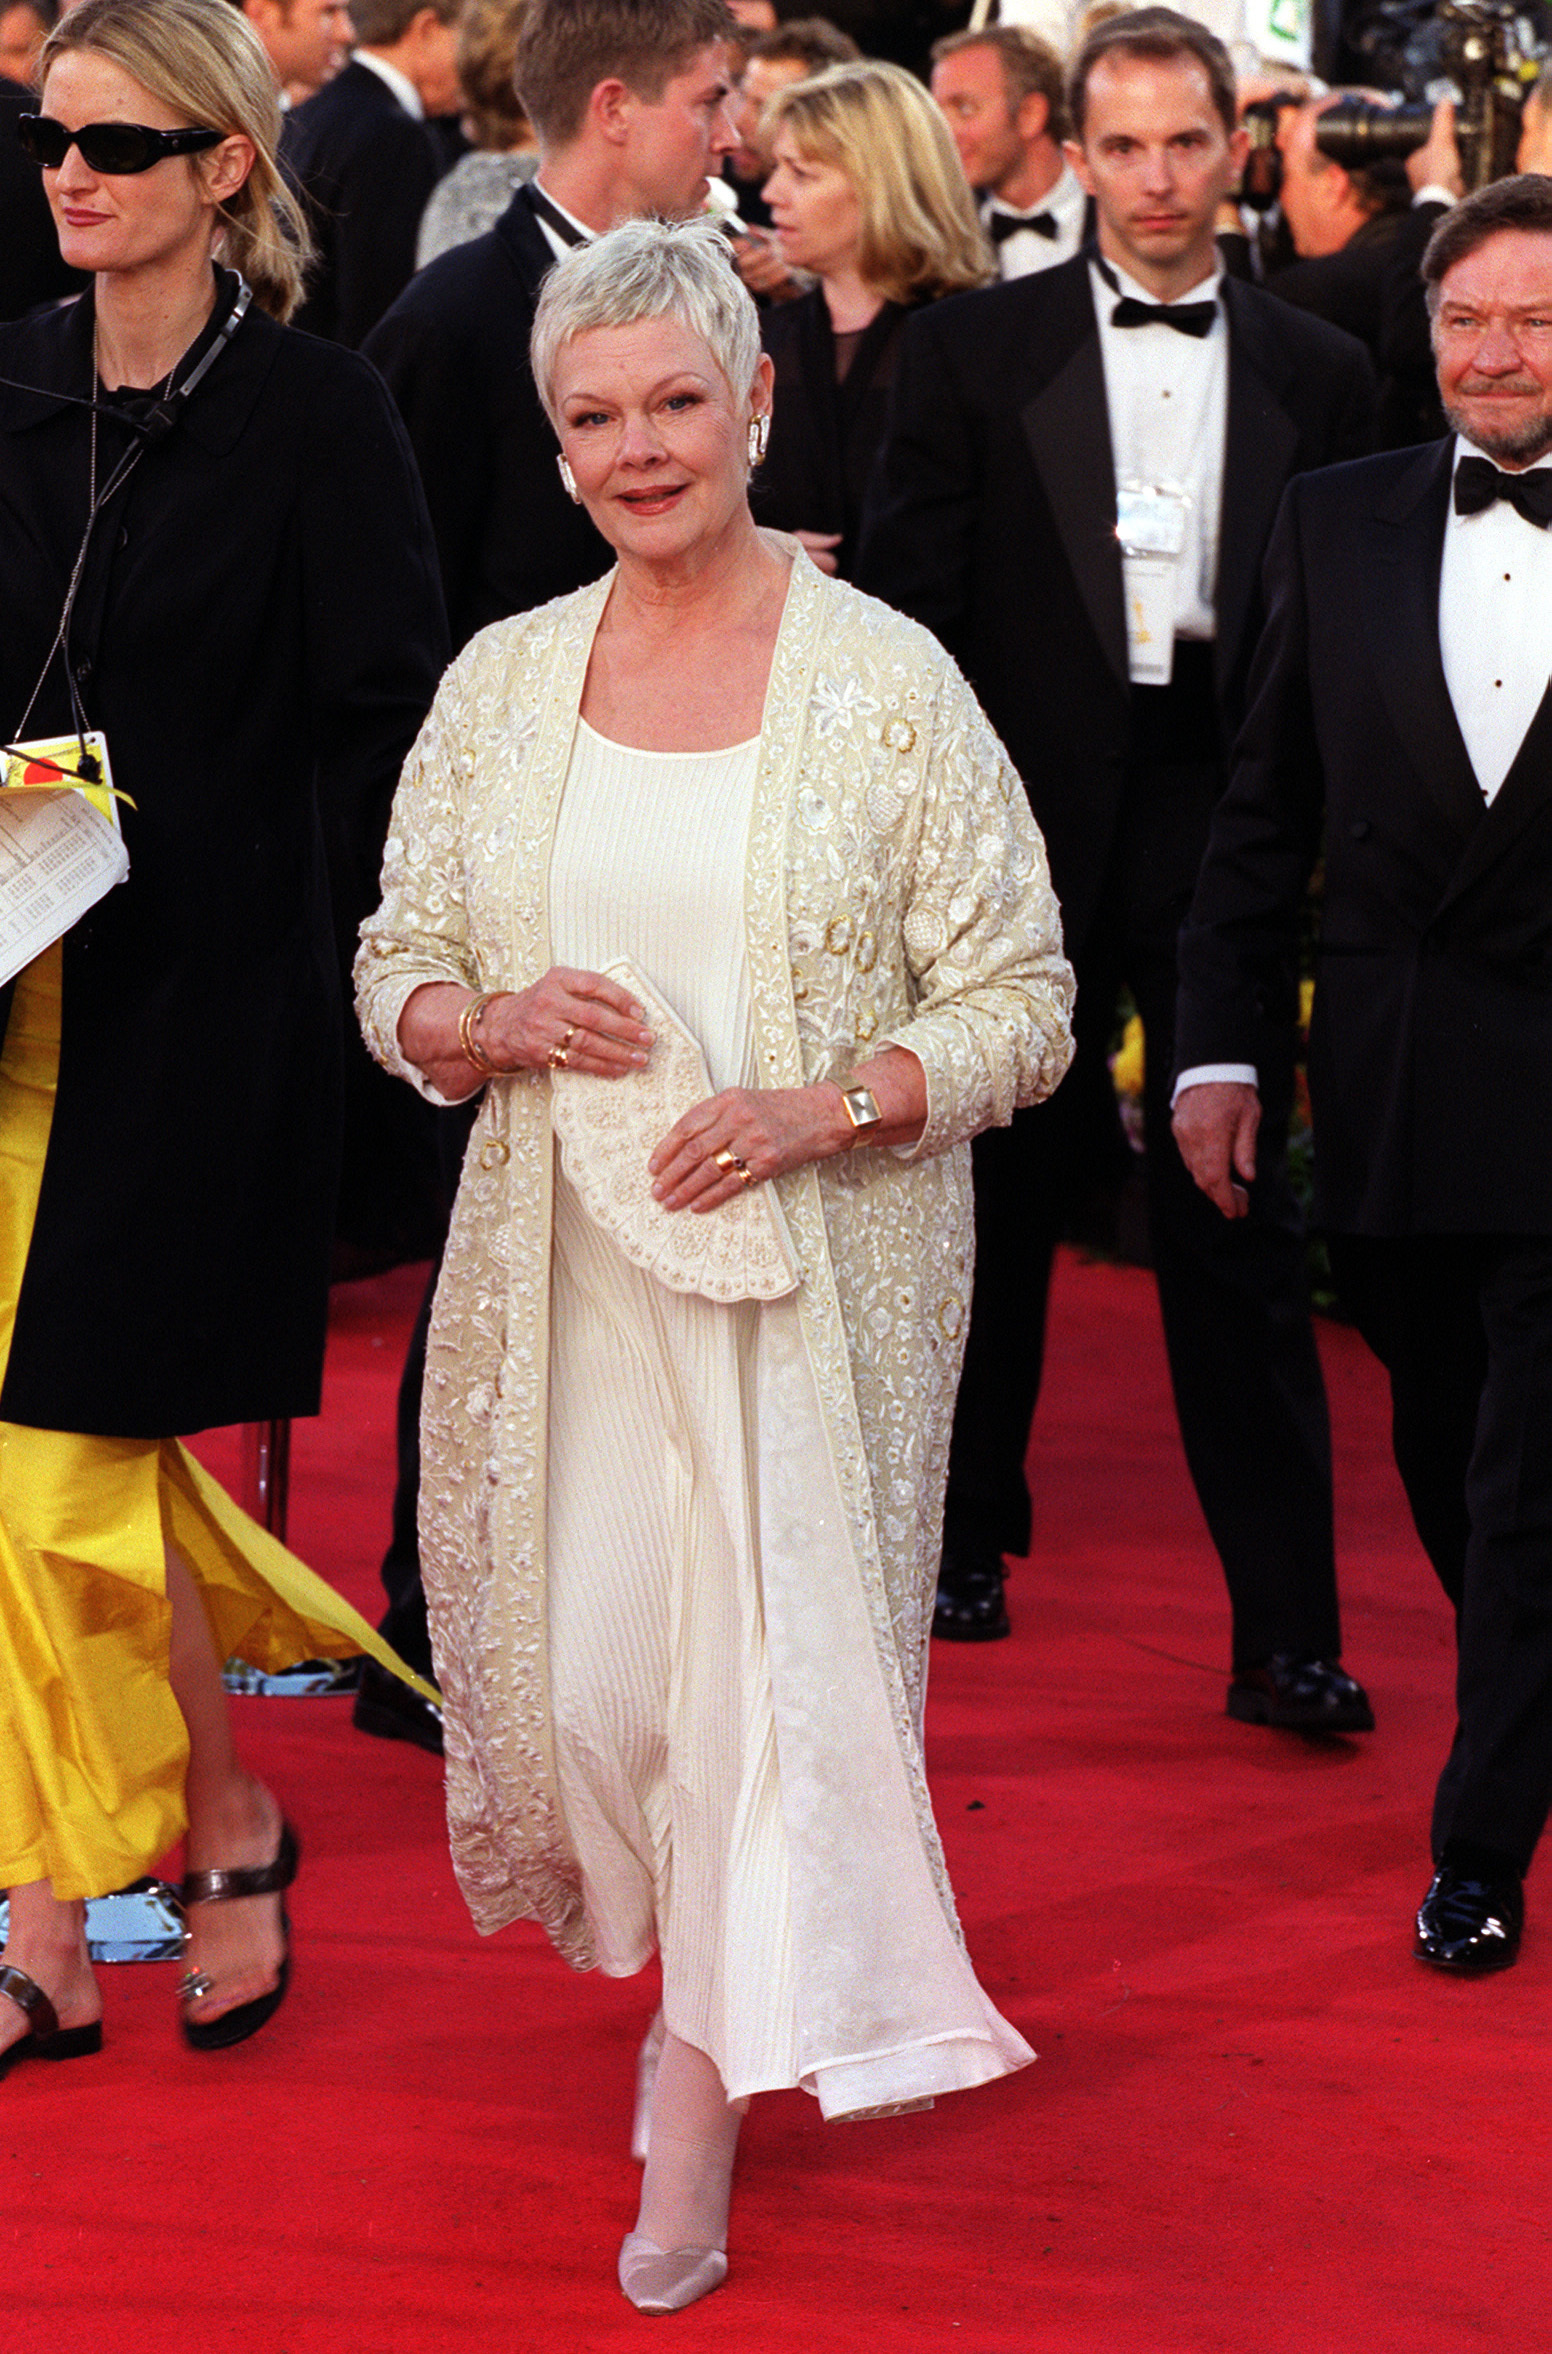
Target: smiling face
x=163, y=218
x=307, y=40
x=21, y=37
x=816, y=211
x=1158, y=160
x=657, y=441
x=1492, y=341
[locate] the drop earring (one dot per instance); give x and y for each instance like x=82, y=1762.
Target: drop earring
x=570, y=481
x=759, y=438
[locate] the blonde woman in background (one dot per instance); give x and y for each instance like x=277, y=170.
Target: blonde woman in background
x=472, y=197
x=220, y=560
x=869, y=195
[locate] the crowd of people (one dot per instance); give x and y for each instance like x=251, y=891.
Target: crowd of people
x=776, y=572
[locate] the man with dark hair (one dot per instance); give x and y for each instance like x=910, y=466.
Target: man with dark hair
x=364, y=158
x=629, y=99
x=1002, y=93
x=1400, y=715
x=1344, y=225
x=1076, y=492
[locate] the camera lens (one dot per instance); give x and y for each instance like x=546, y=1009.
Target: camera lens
x=1355, y=131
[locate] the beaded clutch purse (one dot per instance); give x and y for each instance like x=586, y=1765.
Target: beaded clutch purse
x=608, y=1129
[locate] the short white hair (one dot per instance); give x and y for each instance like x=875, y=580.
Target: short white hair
x=649, y=270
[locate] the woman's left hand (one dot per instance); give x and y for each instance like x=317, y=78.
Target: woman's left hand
x=767, y=1130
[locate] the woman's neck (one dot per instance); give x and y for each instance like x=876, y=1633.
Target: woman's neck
x=711, y=583
x=850, y=301
x=145, y=322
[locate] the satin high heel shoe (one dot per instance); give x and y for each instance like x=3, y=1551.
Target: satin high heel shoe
x=45, y=2039
x=235, y=2026
x=665, y=2280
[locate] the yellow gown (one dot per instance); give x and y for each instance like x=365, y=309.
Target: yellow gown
x=94, y=1747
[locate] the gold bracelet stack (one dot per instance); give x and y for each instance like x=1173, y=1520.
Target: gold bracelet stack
x=473, y=1052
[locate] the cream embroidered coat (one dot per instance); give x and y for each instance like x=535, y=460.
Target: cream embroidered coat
x=897, y=890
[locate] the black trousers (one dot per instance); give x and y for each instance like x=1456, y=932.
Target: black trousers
x=1247, y=1385
x=1463, y=1327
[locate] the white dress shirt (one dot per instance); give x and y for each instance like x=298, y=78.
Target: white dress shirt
x=1168, y=397
x=1495, y=640
x=399, y=83
x=1026, y=251
x=1495, y=628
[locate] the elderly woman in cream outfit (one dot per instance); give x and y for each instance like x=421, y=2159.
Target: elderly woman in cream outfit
x=680, y=1544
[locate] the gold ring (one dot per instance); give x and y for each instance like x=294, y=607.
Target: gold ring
x=746, y=1175
x=727, y=1159
x=557, y=1058
x=571, y=1031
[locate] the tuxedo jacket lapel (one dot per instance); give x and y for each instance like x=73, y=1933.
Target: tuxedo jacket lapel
x=1401, y=615
x=1259, y=446
x=1067, y=424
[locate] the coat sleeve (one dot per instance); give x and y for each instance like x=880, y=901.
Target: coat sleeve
x=1238, y=953
x=993, y=992
x=420, y=932
x=439, y=383
x=375, y=628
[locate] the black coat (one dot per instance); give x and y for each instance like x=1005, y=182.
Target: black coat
x=454, y=350
x=993, y=520
x=825, y=436
x=31, y=271
x=366, y=168
x=1430, y=1061
x=259, y=634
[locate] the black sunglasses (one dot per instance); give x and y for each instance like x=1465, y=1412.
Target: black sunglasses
x=114, y=148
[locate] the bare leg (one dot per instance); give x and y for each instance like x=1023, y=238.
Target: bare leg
x=688, y=2184
x=47, y=1940
x=233, y=1819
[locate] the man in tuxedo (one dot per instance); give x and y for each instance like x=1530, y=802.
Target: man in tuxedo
x=1001, y=93
x=362, y=153
x=629, y=99
x=1081, y=474
x=1400, y=712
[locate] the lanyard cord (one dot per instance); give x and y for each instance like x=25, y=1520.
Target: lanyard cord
x=160, y=422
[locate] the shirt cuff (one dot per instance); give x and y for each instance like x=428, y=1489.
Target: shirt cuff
x=1434, y=195
x=1206, y=1074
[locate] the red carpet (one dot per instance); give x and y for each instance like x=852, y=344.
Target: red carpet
x=1255, y=2122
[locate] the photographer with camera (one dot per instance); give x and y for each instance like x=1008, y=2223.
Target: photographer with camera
x=1343, y=215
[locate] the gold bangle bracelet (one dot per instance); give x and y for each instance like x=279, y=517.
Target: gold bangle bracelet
x=473, y=1052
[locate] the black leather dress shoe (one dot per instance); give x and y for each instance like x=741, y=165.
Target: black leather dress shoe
x=393, y=1712
x=970, y=1606
x=1470, y=1925
x=1300, y=1696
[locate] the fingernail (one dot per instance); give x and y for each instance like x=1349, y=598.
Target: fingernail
x=638, y=1058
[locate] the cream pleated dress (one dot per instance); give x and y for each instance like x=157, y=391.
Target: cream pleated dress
x=685, y=1715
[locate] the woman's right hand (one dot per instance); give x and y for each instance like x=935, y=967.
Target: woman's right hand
x=588, y=1020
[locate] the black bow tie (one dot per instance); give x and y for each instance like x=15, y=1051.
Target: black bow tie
x=1478, y=483
x=1187, y=318
x=1000, y=225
